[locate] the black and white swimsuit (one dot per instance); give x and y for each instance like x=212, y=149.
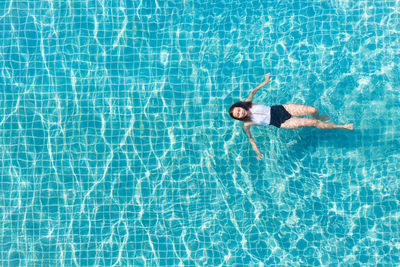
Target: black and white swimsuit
x=266, y=115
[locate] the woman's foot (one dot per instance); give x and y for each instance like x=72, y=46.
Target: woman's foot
x=348, y=126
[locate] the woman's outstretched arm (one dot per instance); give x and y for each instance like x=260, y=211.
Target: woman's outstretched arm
x=252, y=142
x=253, y=92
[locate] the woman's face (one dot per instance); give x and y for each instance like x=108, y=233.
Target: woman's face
x=239, y=113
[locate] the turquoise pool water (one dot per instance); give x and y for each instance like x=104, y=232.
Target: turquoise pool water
x=117, y=149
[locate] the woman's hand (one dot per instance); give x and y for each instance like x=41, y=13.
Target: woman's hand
x=267, y=78
x=259, y=156
x=253, y=92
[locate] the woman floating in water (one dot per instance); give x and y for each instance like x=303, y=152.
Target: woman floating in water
x=282, y=116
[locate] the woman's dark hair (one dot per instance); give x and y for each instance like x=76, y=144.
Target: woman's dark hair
x=245, y=105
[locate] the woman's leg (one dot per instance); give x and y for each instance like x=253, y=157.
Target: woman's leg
x=297, y=110
x=303, y=110
x=330, y=125
x=294, y=123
